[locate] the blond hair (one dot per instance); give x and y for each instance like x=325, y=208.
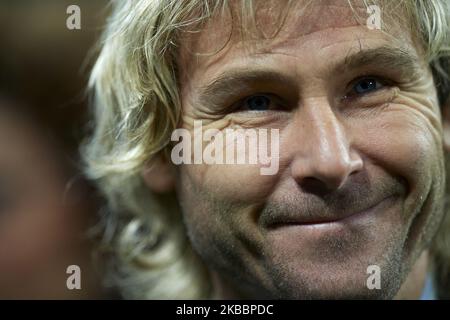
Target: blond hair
x=137, y=105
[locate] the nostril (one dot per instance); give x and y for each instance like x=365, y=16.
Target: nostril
x=315, y=186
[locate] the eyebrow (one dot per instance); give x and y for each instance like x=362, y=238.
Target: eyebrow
x=396, y=58
x=236, y=80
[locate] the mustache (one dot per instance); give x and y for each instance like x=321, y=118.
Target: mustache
x=306, y=208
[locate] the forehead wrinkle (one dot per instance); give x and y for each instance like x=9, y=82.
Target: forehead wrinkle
x=386, y=54
x=300, y=24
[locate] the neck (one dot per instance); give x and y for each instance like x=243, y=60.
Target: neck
x=415, y=282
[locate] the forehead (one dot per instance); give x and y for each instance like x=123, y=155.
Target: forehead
x=307, y=28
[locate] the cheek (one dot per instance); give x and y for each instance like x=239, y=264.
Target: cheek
x=215, y=197
x=219, y=229
x=236, y=179
x=405, y=141
x=239, y=183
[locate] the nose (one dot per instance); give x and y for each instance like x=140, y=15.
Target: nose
x=325, y=159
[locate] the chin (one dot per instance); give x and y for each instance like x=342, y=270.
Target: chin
x=327, y=282
x=337, y=270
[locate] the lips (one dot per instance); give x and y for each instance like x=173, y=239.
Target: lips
x=316, y=213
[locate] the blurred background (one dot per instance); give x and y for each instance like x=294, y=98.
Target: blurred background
x=46, y=207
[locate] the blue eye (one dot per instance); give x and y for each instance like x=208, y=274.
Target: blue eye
x=367, y=85
x=257, y=103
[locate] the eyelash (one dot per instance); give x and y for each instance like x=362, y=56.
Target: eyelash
x=378, y=80
x=274, y=100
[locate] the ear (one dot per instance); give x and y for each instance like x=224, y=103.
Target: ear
x=446, y=124
x=159, y=175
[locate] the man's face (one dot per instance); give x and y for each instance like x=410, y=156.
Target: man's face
x=361, y=173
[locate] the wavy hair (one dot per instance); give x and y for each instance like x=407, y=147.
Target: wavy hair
x=136, y=107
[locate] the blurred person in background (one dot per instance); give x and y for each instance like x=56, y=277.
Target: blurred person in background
x=44, y=211
x=46, y=206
